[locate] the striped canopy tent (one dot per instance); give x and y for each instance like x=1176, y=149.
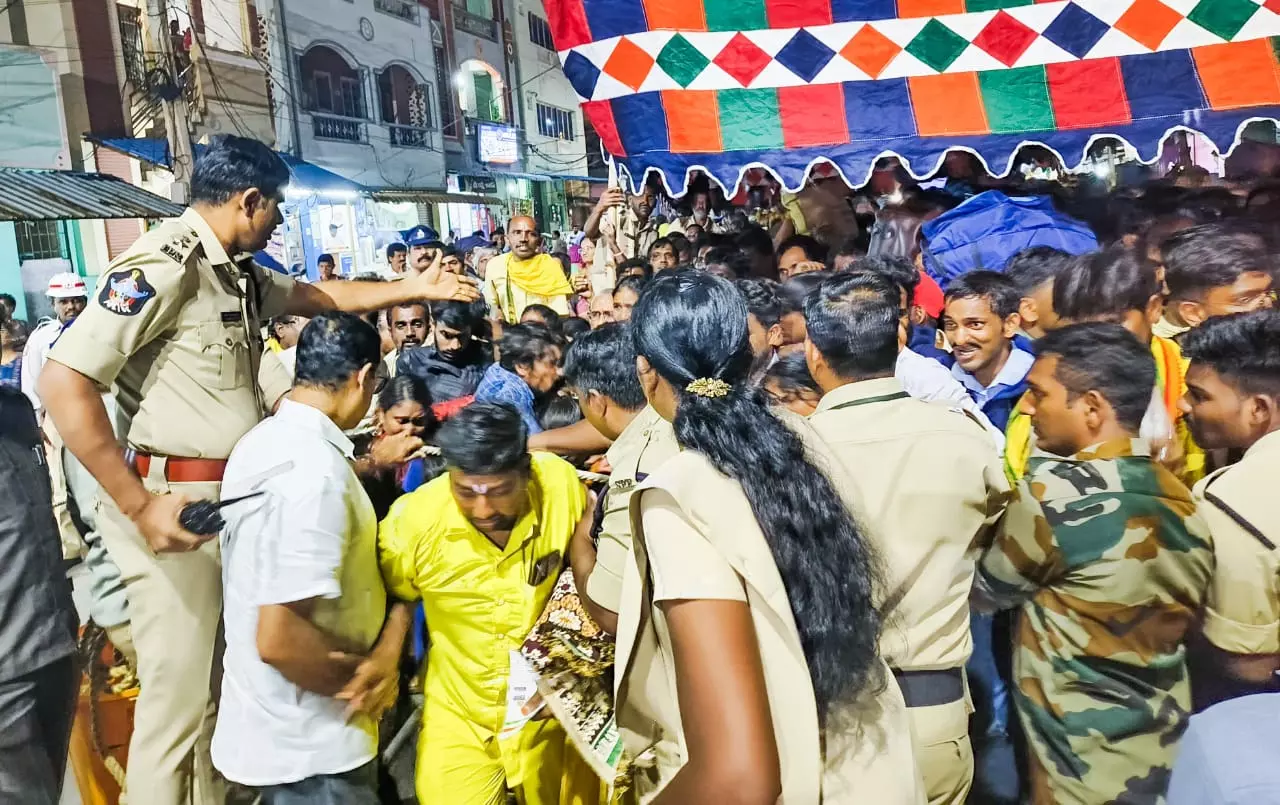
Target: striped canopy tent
x=722, y=86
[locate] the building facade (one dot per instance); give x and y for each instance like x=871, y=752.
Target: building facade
x=555, y=142
x=59, y=78
x=359, y=94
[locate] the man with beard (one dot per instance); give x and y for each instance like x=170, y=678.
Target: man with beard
x=482, y=548
x=409, y=325
x=1233, y=402
x=67, y=291
x=523, y=277
x=452, y=364
x=528, y=368
x=699, y=214
x=634, y=233
x=69, y=298
x=173, y=328
x=1108, y=563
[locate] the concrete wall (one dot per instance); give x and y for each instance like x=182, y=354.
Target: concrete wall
x=371, y=41
x=544, y=82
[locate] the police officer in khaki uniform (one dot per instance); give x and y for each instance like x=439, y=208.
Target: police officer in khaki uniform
x=633, y=234
x=176, y=324
x=600, y=369
x=929, y=487
x=1233, y=401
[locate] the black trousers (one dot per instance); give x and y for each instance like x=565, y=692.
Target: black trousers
x=36, y=714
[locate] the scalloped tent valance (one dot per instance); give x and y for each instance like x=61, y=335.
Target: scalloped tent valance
x=722, y=86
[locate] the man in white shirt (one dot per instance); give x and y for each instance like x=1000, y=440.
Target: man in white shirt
x=312, y=654
x=69, y=298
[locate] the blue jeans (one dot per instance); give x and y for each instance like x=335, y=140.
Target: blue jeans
x=995, y=768
x=356, y=787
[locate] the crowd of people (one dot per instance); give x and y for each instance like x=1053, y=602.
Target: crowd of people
x=769, y=516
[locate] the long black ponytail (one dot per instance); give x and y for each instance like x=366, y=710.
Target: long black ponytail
x=692, y=325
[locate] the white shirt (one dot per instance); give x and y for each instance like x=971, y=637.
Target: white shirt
x=1017, y=367
x=313, y=535
x=926, y=379
x=34, y=354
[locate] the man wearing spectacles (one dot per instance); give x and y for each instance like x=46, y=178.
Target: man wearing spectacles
x=312, y=657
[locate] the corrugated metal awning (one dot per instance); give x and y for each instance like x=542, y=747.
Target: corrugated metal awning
x=37, y=195
x=432, y=197
x=305, y=174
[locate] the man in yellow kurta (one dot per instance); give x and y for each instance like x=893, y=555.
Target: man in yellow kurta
x=482, y=547
x=523, y=277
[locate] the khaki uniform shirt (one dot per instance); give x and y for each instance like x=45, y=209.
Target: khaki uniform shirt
x=696, y=537
x=930, y=487
x=631, y=238
x=176, y=325
x=640, y=450
x=1242, y=614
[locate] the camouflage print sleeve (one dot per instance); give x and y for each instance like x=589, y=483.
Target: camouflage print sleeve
x=1024, y=556
x=999, y=493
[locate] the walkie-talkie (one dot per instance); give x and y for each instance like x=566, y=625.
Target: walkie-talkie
x=204, y=518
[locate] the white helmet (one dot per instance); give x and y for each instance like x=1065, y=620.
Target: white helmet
x=66, y=286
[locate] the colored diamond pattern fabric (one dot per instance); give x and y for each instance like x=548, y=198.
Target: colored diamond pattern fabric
x=787, y=83
x=682, y=61
x=804, y=55
x=937, y=45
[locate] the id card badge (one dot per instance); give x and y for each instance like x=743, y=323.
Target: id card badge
x=522, y=685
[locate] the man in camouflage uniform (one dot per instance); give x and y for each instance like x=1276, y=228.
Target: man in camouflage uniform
x=1109, y=563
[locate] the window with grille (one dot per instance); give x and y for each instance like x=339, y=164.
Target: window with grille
x=322, y=91
x=41, y=240
x=347, y=101
x=540, y=32
x=556, y=123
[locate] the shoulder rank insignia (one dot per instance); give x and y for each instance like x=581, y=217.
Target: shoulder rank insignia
x=180, y=245
x=125, y=292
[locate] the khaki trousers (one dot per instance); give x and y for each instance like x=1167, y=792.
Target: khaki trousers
x=175, y=607
x=941, y=736
x=72, y=541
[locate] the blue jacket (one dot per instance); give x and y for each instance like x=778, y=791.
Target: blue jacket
x=1001, y=405
x=921, y=341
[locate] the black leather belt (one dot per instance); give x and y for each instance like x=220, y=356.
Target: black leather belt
x=930, y=688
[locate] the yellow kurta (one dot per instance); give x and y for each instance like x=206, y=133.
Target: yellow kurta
x=480, y=607
x=505, y=296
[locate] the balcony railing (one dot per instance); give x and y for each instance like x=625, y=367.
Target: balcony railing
x=406, y=10
x=334, y=127
x=409, y=136
x=474, y=24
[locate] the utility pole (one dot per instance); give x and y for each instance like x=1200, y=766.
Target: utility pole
x=177, y=124
x=280, y=73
